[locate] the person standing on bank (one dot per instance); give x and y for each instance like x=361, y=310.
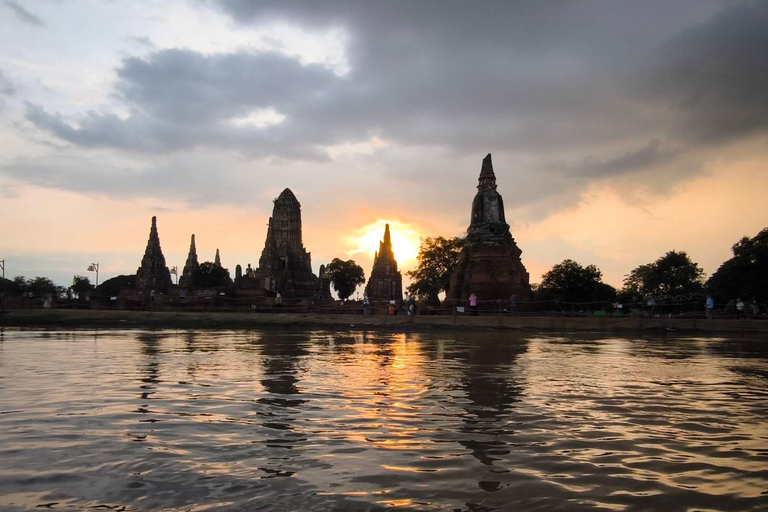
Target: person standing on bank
x=710, y=306
x=513, y=304
x=473, y=304
x=740, y=309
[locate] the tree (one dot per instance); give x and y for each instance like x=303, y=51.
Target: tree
x=18, y=286
x=41, y=286
x=82, y=286
x=745, y=275
x=113, y=287
x=437, y=259
x=570, y=282
x=345, y=276
x=671, y=279
x=210, y=275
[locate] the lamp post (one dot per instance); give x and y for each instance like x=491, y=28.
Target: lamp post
x=94, y=267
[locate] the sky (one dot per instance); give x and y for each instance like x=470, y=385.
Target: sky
x=619, y=130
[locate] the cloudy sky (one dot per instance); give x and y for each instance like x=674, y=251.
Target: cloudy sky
x=619, y=130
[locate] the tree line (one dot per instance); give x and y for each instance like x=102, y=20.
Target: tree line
x=673, y=280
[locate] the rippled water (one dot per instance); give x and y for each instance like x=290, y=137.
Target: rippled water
x=178, y=420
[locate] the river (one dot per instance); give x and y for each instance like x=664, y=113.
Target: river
x=319, y=420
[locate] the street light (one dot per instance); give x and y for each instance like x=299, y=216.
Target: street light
x=94, y=267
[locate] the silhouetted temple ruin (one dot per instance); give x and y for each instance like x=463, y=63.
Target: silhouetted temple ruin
x=386, y=282
x=489, y=264
x=285, y=266
x=153, y=274
x=323, y=284
x=190, y=266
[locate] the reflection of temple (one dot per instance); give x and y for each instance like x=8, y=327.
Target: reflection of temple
x=150, y=379
x=489, y=264
x=386, y=282
x=281, y=355
x=489, y=383
x=153, y=274
x=285, y=266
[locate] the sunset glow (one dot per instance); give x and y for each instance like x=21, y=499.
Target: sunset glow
x=405, y=241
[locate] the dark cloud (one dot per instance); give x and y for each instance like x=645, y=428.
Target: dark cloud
x=566, y=93
x=190, y=178
x=181, y=99
x=652, y=155
x=24, y=15
x=714, y=76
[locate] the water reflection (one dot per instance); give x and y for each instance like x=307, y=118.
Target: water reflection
x=281, y=369
x=492, y=384
x=362, y=420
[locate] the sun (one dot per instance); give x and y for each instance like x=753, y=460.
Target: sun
x=405, y=240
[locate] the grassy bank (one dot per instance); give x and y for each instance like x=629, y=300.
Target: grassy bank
x=49, y=318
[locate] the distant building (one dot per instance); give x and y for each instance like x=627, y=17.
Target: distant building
x=285, y=266
x=153, y=274
x=386, y=282
x=190, y=266
x=489, y=264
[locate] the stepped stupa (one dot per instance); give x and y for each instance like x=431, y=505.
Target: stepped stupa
x=489, y=264
x=386, y=282
x=190, y=266
x=153, y=274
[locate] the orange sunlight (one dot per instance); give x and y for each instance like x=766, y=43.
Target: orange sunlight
x=405, y=240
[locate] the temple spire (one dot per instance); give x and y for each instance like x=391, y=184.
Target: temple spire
x=217, y=260
x=190, y=265
x=386, y=282
x=153, y=274
x=487, y=179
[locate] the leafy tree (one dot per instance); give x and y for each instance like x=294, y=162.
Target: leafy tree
x=345, y=276
x=82, y=286
x=210, y=275
x=18, y=286
x=570, y=282
x=113, y=287
x=745, y=275
x=40, y=286
x=671, y=279
x=437, y=259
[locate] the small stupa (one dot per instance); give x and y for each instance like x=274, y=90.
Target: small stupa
x=190, y=266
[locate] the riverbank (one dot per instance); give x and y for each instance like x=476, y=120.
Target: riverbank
x=49, y=318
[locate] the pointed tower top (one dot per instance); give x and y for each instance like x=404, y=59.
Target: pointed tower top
x=387, y=238
x=487, y=179
x=217, y=261
x=287, y=196
x=154, y=238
